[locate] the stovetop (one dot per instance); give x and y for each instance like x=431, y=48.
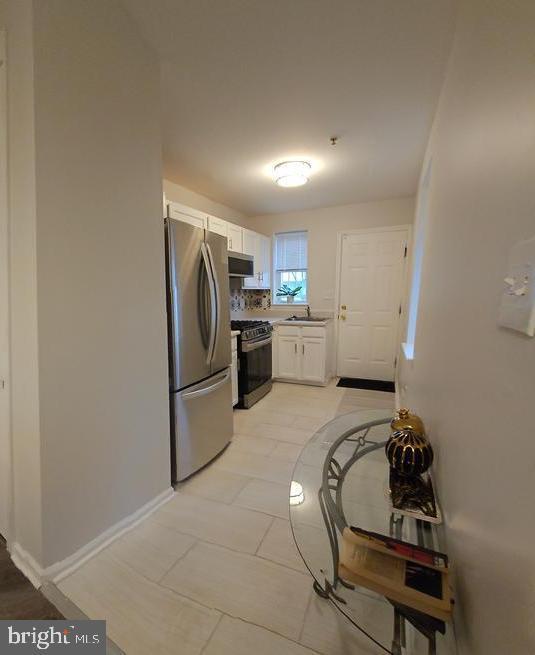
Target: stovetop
x=251, y=329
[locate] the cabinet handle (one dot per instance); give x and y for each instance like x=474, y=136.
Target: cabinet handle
x=230, y=243
x=295, y=348
x=303, y=348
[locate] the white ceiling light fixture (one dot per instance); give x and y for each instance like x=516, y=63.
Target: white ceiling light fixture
x=292, y=173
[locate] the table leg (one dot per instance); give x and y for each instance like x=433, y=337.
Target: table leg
x=319, y=590
x=396, y=641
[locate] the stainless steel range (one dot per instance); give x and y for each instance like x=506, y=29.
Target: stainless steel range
x=254, y=361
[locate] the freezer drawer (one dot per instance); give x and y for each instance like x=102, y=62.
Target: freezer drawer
x=202, y=423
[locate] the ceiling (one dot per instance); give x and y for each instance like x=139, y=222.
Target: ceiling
x=248, y=83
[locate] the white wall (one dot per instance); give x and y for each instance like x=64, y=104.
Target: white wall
x=178, y=193
x=323, y=226
x=26, y=444
x=87, y=274
x=473, y=382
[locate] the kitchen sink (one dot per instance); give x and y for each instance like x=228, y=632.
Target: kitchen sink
x=314, y=319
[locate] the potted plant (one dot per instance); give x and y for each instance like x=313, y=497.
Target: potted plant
x=290, y=294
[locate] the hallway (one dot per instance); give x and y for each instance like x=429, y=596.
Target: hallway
x=215, y=570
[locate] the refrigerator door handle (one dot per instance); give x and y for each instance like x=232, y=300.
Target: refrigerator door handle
x=217, y=298
x=213, y=302
x=221, y=380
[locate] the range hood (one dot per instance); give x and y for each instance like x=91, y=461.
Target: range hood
x=240, y=264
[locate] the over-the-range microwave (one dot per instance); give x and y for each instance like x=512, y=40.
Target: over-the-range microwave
x=240, y=265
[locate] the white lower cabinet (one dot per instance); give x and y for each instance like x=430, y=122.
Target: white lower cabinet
x=234, y=370
x=288, y=357
x=302, y=354
x=313, y=359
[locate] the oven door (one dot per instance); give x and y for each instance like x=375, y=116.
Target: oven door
x=254, y=376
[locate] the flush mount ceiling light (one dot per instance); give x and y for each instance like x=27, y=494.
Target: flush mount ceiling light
x=292, y=173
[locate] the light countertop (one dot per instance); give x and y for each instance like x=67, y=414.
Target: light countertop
x=319, y=323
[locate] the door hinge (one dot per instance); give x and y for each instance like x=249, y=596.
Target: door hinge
x=405, y=251
x=395, y=362
x=399, y=311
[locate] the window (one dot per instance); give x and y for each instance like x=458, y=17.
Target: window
x=290, y=265
x=422, y=212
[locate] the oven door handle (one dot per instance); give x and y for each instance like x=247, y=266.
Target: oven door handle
x=248, y=346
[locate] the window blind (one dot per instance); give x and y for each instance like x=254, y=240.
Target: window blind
x=291, y=251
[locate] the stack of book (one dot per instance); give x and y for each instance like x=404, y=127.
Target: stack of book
x=404, y=573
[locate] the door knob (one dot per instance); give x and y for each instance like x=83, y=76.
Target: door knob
x=343, y=307
x=342, y=317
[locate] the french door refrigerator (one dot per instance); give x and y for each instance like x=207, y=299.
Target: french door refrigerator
x=199, y=346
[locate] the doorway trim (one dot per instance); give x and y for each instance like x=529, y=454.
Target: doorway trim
x=369, y=230
x=6, y=461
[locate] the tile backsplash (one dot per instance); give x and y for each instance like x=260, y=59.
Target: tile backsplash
x=248, y=299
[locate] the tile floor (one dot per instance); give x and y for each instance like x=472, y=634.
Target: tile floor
x=215, y=570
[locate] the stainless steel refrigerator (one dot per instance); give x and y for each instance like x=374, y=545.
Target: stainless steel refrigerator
x=199, y=346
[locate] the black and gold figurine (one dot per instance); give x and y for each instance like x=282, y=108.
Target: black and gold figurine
x=409, y=452
x=410, y=455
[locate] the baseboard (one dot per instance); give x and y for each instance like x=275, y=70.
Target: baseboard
x=56, y=572
x=303, y=382
x=60, y=570
x=27, y=564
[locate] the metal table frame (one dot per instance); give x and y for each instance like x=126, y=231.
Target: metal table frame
x=330, y=501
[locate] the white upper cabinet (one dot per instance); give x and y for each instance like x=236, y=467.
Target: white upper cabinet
x=239, y=239
x=218, y=225
x=235, y=237
x=250, y=242
x=265, y=259
x=259, y=246
x=187, y=214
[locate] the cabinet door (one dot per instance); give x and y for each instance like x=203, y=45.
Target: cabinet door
x=217, y=225
x=265, y=261
x=181, y=213
x=250, y=247
x=288, y=357
x=313, y=359
x=249, y=242
x=234, y=371
x=235, y=237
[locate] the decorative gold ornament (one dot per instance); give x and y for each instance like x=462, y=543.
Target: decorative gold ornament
x=408, y=452
x=404, y=420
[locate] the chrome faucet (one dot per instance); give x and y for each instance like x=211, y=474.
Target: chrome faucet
x=308, y=310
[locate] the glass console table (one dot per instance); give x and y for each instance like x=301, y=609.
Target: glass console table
x=342, y=480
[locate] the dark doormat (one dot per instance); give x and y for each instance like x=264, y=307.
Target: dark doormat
x=363, y=383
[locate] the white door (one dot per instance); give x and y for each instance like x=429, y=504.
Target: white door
x=313, y=359
x=288, y=357
x=371, y=278
x=5, y=443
